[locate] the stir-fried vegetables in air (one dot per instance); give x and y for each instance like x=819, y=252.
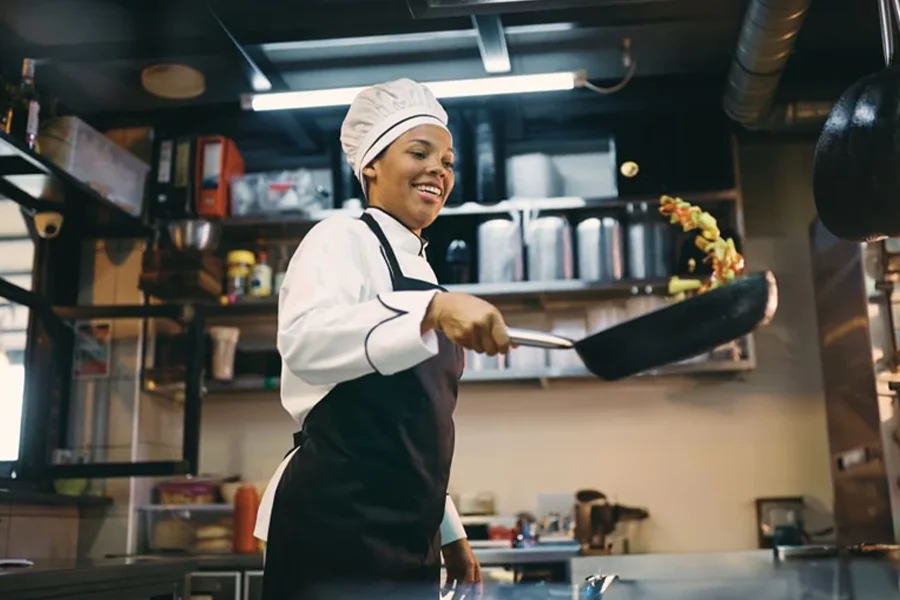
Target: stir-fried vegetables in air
x=727, y=263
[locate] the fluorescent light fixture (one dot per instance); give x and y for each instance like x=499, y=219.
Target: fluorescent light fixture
x=458, y=88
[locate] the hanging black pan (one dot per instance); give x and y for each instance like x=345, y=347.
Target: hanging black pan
x=677, y=332
x=856, y=173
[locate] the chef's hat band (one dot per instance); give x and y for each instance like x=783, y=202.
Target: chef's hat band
x=384, y=133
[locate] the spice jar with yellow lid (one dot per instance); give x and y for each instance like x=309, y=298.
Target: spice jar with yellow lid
x=240, y=265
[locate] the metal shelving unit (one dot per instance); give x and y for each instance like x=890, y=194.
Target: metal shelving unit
x=520, y=293
x=291, y=225
x=38, y=185
x=541, y=376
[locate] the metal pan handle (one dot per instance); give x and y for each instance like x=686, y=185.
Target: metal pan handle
x=538, y=339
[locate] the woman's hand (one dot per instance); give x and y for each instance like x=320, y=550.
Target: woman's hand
x=468, y=321
x=463, y=570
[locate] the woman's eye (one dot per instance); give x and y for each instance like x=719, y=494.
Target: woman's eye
x=419, y=155
x=449, y=165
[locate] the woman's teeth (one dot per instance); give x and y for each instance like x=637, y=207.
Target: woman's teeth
x=429, y=189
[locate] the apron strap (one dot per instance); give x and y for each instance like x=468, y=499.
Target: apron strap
x=386, y=251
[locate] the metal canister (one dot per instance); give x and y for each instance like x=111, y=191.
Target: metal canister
x=549, y=242
x=600, y=249
x=649, y=243
x=500, y=251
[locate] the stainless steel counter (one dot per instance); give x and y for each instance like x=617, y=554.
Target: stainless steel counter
x=551, y=553
x=741, y=575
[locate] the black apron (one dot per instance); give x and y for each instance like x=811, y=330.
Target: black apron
x=358, y=509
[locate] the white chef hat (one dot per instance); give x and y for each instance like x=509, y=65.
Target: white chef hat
x=380, y=114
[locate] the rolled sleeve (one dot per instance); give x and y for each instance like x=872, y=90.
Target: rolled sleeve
x=397, y=343
x=452, y=528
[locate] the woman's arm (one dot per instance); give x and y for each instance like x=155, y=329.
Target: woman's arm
x=327, y=333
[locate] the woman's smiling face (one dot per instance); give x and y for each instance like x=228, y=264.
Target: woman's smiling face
x=413, y=177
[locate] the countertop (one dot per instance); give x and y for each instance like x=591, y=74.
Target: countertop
x=549, y=554
x=50, y=499
x=90, y=578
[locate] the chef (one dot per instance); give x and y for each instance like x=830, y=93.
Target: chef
x=372, y=353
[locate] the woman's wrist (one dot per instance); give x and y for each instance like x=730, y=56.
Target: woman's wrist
x=430, y=320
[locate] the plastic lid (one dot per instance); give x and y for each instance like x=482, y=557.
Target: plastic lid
x=241, y=256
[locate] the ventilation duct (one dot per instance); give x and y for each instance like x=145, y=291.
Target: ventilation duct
x=767, y=38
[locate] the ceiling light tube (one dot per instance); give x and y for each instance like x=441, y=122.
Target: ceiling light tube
x=458, y=88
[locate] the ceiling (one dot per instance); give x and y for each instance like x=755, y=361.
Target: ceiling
x=91, y=52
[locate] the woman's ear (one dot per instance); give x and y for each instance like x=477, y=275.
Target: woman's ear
x=369, y=172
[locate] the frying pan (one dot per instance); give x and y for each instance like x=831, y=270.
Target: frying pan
x=671, y=334
x=856, y=170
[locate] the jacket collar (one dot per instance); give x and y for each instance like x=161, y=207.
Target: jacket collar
x=399, y=236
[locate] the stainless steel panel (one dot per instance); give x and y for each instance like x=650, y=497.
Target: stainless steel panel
x=863, y=482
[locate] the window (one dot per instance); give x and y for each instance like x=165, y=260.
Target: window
x=16, y=260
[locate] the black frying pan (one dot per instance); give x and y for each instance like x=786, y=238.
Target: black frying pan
x=671, y=334
x=856, y=172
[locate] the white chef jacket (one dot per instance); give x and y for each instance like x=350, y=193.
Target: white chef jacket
x=335, y=292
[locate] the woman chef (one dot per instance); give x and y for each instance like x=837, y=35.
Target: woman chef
x=372, y=352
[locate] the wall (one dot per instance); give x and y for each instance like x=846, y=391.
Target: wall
x=57, y=526
x=696, y=453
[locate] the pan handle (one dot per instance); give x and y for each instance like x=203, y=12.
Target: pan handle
x=538, y=339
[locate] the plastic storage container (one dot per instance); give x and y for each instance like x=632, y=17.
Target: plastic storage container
x=188, y=491
x=278, y=192
x=91, y=157
x=194, y=529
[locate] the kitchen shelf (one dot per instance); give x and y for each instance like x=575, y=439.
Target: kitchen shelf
x=259, y=384
x=28, y=179
x=538, y=293
x=294, y=224
x=218, y=507
x=524, y=293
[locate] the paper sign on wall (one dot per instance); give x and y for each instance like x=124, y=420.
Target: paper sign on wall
x=93, y=349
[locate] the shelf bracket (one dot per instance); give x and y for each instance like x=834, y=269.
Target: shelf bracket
x=25, y=200
x=33, y=301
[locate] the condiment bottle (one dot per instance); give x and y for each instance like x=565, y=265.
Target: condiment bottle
x=246, y=504
x=261, y=281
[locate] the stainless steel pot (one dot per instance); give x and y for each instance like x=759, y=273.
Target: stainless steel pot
x=549, y=241
x=600, y=249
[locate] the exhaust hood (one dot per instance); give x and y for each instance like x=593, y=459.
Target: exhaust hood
x=428, y=9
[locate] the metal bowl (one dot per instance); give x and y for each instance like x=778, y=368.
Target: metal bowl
x=194, y=234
